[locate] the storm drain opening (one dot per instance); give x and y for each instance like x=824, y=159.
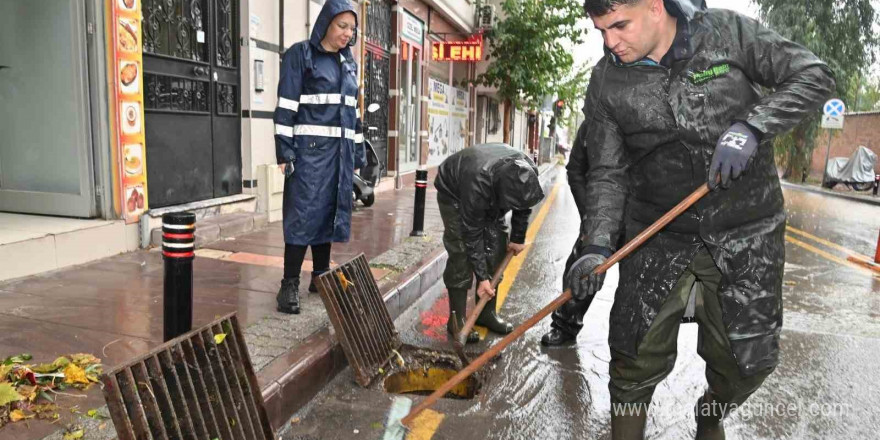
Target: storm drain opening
x=421, y=371
x=372, y=344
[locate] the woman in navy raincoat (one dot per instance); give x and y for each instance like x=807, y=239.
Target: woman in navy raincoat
x=318, y=144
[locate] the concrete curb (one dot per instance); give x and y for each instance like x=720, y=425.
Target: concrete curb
x=831, y=193
x=319, y=358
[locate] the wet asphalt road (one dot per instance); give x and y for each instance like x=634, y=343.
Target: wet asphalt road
x=825, y=387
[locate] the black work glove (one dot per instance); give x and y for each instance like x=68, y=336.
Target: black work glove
x=288, y=170
x=581, y=279
x=733, y=153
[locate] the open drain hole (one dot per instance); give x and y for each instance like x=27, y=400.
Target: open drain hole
x=425, y=380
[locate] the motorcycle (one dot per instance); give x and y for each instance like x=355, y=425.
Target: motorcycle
x=856, y=171
x=366, y=180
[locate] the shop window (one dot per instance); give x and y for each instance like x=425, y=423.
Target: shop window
x=493, y=118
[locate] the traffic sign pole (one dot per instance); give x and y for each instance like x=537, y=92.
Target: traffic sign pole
x=827, y=154
x=833, y=107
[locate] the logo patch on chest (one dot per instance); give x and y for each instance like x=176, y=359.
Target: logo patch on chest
x=709, y=74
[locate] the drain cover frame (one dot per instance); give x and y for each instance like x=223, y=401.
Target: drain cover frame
x=360, y=318
x=198, y=385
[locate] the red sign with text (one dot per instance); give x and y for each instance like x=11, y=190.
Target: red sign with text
x=457, y=50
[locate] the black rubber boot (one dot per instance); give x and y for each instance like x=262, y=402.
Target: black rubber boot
x=710, y=418
x=629, y=421
x=288, y=296
x=458, y=304
x=489, y=318
x=556, y=337
x=315, y=274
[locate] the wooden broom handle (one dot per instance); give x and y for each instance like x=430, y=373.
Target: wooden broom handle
x=549, y=308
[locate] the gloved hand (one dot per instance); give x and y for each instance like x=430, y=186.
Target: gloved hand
x=288, y=170
x=733, y=152
x=581, y=279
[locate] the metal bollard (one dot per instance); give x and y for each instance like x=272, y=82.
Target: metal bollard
x=419, y=213
x=178, y=250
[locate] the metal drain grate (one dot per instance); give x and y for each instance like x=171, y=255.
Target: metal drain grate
x=359, y=316
x=198, y=386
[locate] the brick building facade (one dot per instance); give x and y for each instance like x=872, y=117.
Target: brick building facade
x=859, y=129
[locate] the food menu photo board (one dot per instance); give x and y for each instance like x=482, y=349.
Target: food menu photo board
x=131, y=170
x=438, y=121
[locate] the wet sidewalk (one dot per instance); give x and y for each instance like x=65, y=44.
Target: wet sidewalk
x=838, y=191
x=112, y=308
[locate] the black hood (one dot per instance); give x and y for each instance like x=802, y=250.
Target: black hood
x=685, y=8
x=516, y=184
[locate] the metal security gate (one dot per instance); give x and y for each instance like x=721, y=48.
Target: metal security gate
x=191, y=82
x=376, y=67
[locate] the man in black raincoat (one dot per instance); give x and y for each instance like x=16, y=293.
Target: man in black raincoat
x=476, y=188
x=676, y=102
x=568, y=319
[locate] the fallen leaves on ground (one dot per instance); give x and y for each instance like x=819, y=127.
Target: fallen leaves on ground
x=8, y=394
x=74, y=375
x=74, y=434
x=25, y=389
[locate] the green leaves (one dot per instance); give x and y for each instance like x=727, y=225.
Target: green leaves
x=529, y=49
x=839, y=32
x=17, y=359
x=8, y=393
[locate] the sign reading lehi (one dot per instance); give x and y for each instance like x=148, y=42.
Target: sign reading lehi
x=457, y=51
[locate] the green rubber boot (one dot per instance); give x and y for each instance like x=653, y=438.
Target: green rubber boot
x=710, y=418
x=489, y=318
x=628, y=423
x=458, y=304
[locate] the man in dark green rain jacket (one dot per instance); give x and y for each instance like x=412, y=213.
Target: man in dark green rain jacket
x=678, y=100
x=476, y=188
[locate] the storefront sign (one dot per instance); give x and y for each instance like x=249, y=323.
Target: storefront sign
x=412, y=30
x=457, y=51
x=130, y=162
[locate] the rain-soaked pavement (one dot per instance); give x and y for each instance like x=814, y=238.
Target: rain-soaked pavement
x=825, y=387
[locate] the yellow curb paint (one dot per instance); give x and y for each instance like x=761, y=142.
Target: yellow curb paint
x=425, y=425
x=827, y=255
x=517, y=262
x=819, y=240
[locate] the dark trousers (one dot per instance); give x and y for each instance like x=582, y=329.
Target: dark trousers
x=569, y=318
x=632, y=380
x=294, y=256
x=458, y=273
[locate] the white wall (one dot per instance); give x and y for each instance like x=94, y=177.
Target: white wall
x=260, y=22
x=459, y=12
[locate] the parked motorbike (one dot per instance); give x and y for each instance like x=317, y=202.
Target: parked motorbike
x=366, y=180
x=856, y=171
